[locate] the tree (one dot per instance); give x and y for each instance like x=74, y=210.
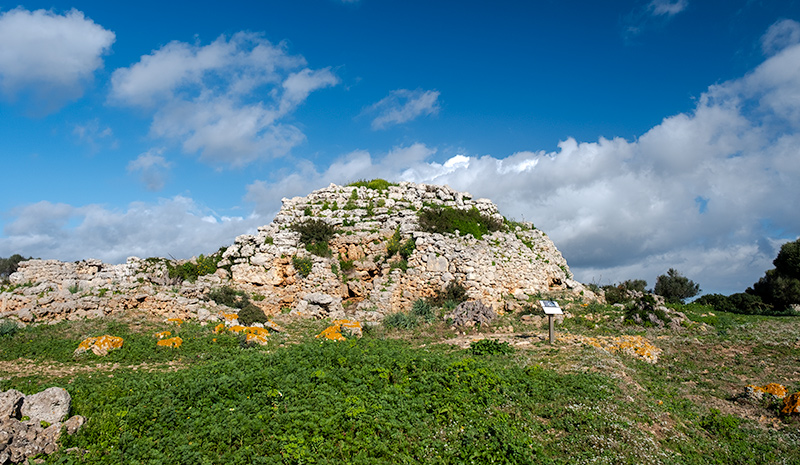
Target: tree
x=780, y=286
x=9, y=265
x=674, y=287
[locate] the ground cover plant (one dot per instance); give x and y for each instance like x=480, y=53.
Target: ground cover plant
x=432, y=395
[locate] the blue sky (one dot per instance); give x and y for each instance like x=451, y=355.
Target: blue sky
x=640, y=135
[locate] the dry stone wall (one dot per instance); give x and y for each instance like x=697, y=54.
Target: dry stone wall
x=358, y=280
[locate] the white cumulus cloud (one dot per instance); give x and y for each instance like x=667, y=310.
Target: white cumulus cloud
x=49, y=57
x=152, y=169
x=404, y=105
x=225, y=101
x=177, y=227
x=780, y=35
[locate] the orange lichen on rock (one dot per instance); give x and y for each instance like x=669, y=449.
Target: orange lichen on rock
x=758, y=392
x=636, y=346
x=177, y=321
x=237, y=328
x=99, y=345
x=334, y=332
x=257, y=335
x=791, y=404
x=162, y=334
x=219, y=328
x=173, y=342
x=228, y=317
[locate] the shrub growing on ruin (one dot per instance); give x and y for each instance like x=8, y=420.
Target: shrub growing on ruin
x=375, y=184
x=422, y=309
x=396, y=245
x=454, y=293
x=400, y=320
x=250, y=314
x=228, y=296
x=303, y=265
x=315, y=234
x=193, y=269
x=444, y=220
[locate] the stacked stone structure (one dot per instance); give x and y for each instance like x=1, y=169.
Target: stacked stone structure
x=511, y=264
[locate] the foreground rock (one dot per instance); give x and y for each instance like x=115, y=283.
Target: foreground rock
x=361, y=279
x=31, y=425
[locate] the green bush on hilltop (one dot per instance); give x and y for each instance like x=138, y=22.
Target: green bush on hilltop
x=447, y=220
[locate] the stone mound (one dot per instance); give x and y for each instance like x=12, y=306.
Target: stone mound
x=378, y=261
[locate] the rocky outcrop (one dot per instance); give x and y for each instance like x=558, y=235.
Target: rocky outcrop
x=358, y=280
x=31, y=425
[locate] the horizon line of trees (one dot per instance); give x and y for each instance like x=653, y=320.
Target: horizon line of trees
x=776, y=293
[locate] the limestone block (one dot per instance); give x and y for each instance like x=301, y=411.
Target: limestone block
x=50, y=405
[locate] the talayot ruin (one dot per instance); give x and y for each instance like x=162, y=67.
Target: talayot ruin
x=379, y=260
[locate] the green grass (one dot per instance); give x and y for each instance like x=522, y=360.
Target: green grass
x=398, y=396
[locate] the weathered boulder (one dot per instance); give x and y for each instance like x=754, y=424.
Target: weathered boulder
x=39, y=432
x=50, y=405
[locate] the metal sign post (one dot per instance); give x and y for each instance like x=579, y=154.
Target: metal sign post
x=551, y=309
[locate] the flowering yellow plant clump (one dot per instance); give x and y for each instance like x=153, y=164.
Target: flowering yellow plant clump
x=99, y=345
x=177, y=321
x=636, y=346
x=334, y=332
x=162, y=334
x=173, y=342
x=777, y=390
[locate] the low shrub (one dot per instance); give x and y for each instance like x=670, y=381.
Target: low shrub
x=396, y=245
x=446, y=220
x=375, y=184
x=192, y=269
x=8, y=328
x=250, y=314
x=490, y=347
x=314, y=230
x=423, y=310
x=228, y=296
x=399, y=320
x=453, y=294
x=303, y=265
x=718, y=424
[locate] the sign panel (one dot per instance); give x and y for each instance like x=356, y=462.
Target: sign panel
x=551, y=307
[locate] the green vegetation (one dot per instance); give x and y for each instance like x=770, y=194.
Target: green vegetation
x=453, y=294
x=303, y=265
x=398, y=396
x=674, y=287
x=315, y=234
x=192, y=269
x=621, y=293
x=490, y=347
x=8, y=328
x=248, y=312
x=445, y=220
x=375, y=184
x=9, y=265
x=774, y=294
x=396, y=245
x=780, y=286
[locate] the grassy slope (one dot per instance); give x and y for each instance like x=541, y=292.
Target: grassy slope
x=403, y=397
